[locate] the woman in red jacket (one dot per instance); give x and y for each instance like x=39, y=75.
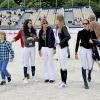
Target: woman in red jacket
x=19, y=37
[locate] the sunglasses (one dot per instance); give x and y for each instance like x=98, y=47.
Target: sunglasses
x=45, y=23
x=85, y=23
x=30, y=23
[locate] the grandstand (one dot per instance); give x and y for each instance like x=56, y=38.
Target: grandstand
x=76, y=15
x=14, y=18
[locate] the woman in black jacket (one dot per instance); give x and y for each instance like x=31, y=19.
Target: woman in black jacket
x=62, y=38
x=84, y=40
x=47, y=50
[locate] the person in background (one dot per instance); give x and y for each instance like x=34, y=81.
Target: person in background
x=95, y=26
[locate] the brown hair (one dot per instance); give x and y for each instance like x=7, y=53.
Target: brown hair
x=3, y=33
x=26, y=28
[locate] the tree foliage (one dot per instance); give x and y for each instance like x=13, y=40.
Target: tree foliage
x=95, y=4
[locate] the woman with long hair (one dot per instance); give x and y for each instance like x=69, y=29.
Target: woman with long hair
x=95, y=26
x=62, y=38
x=29, y=37
x=47, y=50
x=84, y=39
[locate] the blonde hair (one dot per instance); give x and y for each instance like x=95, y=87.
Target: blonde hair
x=60, y=18
x=86, y=20
x=44, y=20
x=3, y=33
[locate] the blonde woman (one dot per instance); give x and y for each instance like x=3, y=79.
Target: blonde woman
x=83, y=39
x=62, y=38
x=47, y=50
x=6, y=55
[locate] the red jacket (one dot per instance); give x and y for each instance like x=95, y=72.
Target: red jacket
x=19, y=36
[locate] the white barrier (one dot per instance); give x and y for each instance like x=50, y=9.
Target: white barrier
x=13, y=32
x=10, y=32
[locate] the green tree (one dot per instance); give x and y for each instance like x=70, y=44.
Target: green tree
x=95, y=4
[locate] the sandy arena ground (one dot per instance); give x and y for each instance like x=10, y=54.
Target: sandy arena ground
x=17, y=90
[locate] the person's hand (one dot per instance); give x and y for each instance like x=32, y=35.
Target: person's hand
x=90, y=41
x=35, y=38
x=40, y=54
x=12, y=41
x=76, y=56
x=11, y=60
x=30, y=38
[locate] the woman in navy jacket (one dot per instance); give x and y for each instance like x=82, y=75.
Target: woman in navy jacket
x=47, y=50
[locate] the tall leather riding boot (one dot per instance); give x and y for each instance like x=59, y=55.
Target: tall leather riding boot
x=89, y=75
x=33, y=70
x=25, y=72
x=84, y=78
x=63, y=75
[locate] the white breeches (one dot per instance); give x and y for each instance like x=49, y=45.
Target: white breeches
x=47, y=58
x=63, y=54
x=29, y=56
x=86, y=58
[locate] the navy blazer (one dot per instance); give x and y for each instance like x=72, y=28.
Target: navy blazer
x=51, y=38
